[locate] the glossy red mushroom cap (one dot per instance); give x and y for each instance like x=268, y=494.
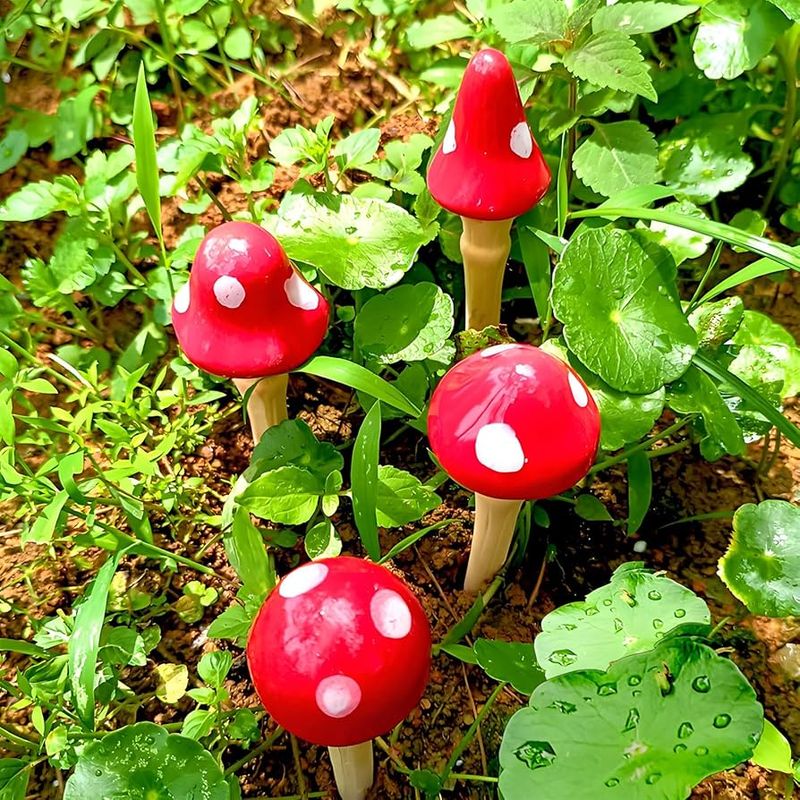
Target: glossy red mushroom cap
x=246, y=312
x=514, y=422
x=488, y=166
x=340, y=651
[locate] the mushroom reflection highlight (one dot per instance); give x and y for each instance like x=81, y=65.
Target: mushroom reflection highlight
x=340, y=653
x=510, y=423
x=488, y=169
x=248, y=314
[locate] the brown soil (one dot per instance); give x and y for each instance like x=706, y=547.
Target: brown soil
x=35, y=585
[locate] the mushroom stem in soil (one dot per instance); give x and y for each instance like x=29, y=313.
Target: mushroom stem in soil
x=339, y=654
x=488, y=169
x=248, y=314
x=266, y=405
x=511, y=423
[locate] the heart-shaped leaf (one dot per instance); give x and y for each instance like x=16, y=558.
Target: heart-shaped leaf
x=514, y=662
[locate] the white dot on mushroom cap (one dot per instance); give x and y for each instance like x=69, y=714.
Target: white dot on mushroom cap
x=497, y=447
x=299, y=293
x=229, y=292
x=390, y=614
x=302, y=580
x=338, y=696
x=449, y=141
x=496, y=348
x=238, y=245
x=526, y=370
x=579, y=393
x=521, y=141
x=182, y=298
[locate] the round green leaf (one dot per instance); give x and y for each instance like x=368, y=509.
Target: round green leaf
x=144, y=761
x=615, y=295
x=629, y=615
x=13, y=146
x=762, y=565
x=650, y=728
x=238, y=43
x=681, y=242
x=407, y=323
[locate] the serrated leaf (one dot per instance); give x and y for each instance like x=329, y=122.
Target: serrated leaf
x=611, y=59
x=37, y=200
x=647, y=16
x=424, y=34
x=616, y=157
x=402, y=498
x=537, y=21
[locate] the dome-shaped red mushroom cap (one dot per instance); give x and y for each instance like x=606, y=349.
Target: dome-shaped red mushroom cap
x=514, y=422
x=488, y=166
x=340, y=651
x=246, y=312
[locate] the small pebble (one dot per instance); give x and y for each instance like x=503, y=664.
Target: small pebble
x=640, y=546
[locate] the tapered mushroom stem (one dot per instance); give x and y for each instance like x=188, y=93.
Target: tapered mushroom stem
x=495, y=521
x=485, y=245
x=352, y=770
x=267, y=404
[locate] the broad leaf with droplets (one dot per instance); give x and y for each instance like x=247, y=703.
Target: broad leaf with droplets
x=762, y=565
x=650, y=728
x=143, y=760
x=631, y=614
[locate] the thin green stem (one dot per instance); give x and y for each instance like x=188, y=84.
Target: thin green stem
x=645, y=445
x=712, y=265
x=255, y=752
x=23, y=353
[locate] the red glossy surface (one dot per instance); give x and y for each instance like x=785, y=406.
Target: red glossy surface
x=488, y=166
x=246, y=312
x=340, y=651
x=514, y=422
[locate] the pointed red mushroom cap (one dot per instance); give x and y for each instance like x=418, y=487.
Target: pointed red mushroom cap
x=246, y=312
x=340, y=651
x=514, y=422
x=488, y=166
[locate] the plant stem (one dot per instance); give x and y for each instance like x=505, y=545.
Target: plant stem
x=645, y=445
x=256, y=751
x=22, y=352
x=712, y=265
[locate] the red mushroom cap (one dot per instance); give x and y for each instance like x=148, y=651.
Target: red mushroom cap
x=488, y=166
x=246, y=312
x=340, y=651
x=514, y=422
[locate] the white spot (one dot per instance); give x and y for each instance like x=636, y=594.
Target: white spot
x=496, y=348
x=497, y=447
x=228, y=291
x=182, y=298
x=299, y=293
x=338, y=696
x=449, y=141
x=390, y=614
x=238, y=245
x=526, y=370
x=640, y=546
x=302, y=580
x=579, y=393
x=521, y=141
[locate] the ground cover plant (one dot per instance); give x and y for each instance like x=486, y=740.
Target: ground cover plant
x=165, y=465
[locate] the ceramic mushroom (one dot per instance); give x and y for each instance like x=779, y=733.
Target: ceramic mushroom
x=248, y=314
x=339, y=654
x=488, y=169
x=511, y=423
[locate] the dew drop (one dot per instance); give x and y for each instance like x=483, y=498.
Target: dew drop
x=591, y=611
x=701, y=751
x=680, y=613
x=679, y=748
x=564, y=658
x=536, y=755
x=654, y=595
x=658, y=623
x=634, y=680
x=722, y=720
x=685, y=730
x=653, y=777
x=98, y=773
x=611, y=782
x=607, y=689
x=701, y=684
x=608, y=602
x=618, y=626
x=564, y=706
x=633, y=720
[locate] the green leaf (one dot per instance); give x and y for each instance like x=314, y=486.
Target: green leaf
x=288, y=494
x=715, y=323
x=538, y=21
x=172, y=681
x=245, y=549
x=590, y=508
x=84, y=643
x=762, y=564
x=654, y=725
x=144, y=143
x=702, y=157
x=424, y=34
x=789, y=7
x=640, y=489
x=510, y=662
x=773, y=751
x=238, y=43
x=323, y=541
x=634, y=18
x=633, y=333
x=364, y=481
x=74, y=123
x=361, y=379
x=734, y=35
x=407, y=323
x=145, y=761
x=402, y=498
x=13, y=146
x=611, y=59
x=47, y=521
x=214, y=667
x=628, y=615
x=536, y=258
x=354, y=241
x=617, y=156
x=681, y=242
x=764, y=266
x=14, y=776
x=233, y=623
x=358, y=148
x=37, y=200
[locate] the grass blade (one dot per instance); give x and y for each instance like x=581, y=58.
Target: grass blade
x=758, y=269
x=144, y=144
x=640, y=489
x=364, y=481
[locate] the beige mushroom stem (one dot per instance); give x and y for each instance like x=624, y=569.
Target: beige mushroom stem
x=267, y=404
x=485, y=245
x=352, y=770
x=495, y=521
